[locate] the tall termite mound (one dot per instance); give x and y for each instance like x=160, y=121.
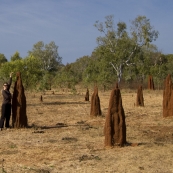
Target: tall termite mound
x=87, y=95
x=168, y=97
x=95, y=103
x=150, y=83
x=140, y=98
x=115, y=126
x=19, y=117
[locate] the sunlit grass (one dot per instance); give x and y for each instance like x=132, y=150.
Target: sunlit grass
x=62, y=137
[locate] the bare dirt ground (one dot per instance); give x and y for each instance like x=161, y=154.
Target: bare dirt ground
x=62, y=138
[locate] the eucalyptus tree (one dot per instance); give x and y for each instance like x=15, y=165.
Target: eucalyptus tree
x=48, y=56
x=3, y=59
x=16, y=56
x=12, y=66
x=159, y=68
x=123, y=46
x=91, y=72
x=98, y=70
x=79, y=66
x=66, y=77
x=49, y=60
x=142, y=32
x=115, y=41
x=29, y=68
x=145, y=61
x=169, y=63
x=32, y=74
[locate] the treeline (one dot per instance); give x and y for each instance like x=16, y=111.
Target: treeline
x=123, y=55
x=39, y=69
x=126, y=56
x=90, y=70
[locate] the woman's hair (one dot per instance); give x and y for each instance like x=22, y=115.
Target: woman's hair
x=6, y=83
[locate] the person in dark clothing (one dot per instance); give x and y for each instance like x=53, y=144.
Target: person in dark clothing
x=6, y=104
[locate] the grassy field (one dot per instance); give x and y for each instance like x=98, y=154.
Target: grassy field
x=62, y=138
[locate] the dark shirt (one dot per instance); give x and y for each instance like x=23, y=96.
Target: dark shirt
x=6, y=93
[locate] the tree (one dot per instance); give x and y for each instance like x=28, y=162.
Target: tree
x=3, y=59
x=69, y=76
x=32, y=74
x=16, y=56
x=159, y=68
x=91, y=73
x=169, y=63
x=47, y=54
x=98, y=69
x=123, y=46
x=148, y=63
x=12, y=66
x=116, y=42
x=79, y=66
x=48, y=79
x=29, y=68
x=142, y=32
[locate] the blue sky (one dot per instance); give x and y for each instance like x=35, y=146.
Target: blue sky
x=70, y=23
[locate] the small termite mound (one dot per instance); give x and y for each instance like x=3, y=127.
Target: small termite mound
x=95, y=104
x=87, y=95
x=140, y=98
x=150, y=83
x=41, y=98
x=115, y=126
x=19, y=117
x=168, y=97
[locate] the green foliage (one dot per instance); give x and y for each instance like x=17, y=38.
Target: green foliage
x=168, y=60
x=47, y=81
x=3, y=59
x=12, y=66
x=126, y=48
x=142, y=31
x=32, y=74
x=47, y=54
x=98, y=70
x=120, y=55
x=28, y=67
x=16, y=56
x=79, y=67
x=71, y=74
x=66, y=77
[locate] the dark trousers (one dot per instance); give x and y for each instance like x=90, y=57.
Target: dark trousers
x=5, y=115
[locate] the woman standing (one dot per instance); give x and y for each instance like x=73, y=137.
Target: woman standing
x=6, y=104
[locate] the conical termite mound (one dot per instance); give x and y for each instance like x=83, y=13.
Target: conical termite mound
x=87, y=95
x=150, y=83
x=19, y=117
x=41, y=98
x=168, y=97
x=115, y=126
x=140, y=98
x=95, y=104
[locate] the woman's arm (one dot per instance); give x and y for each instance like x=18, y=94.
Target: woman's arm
x=10, y=81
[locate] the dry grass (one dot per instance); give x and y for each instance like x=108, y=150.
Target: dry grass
x=63, y=138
